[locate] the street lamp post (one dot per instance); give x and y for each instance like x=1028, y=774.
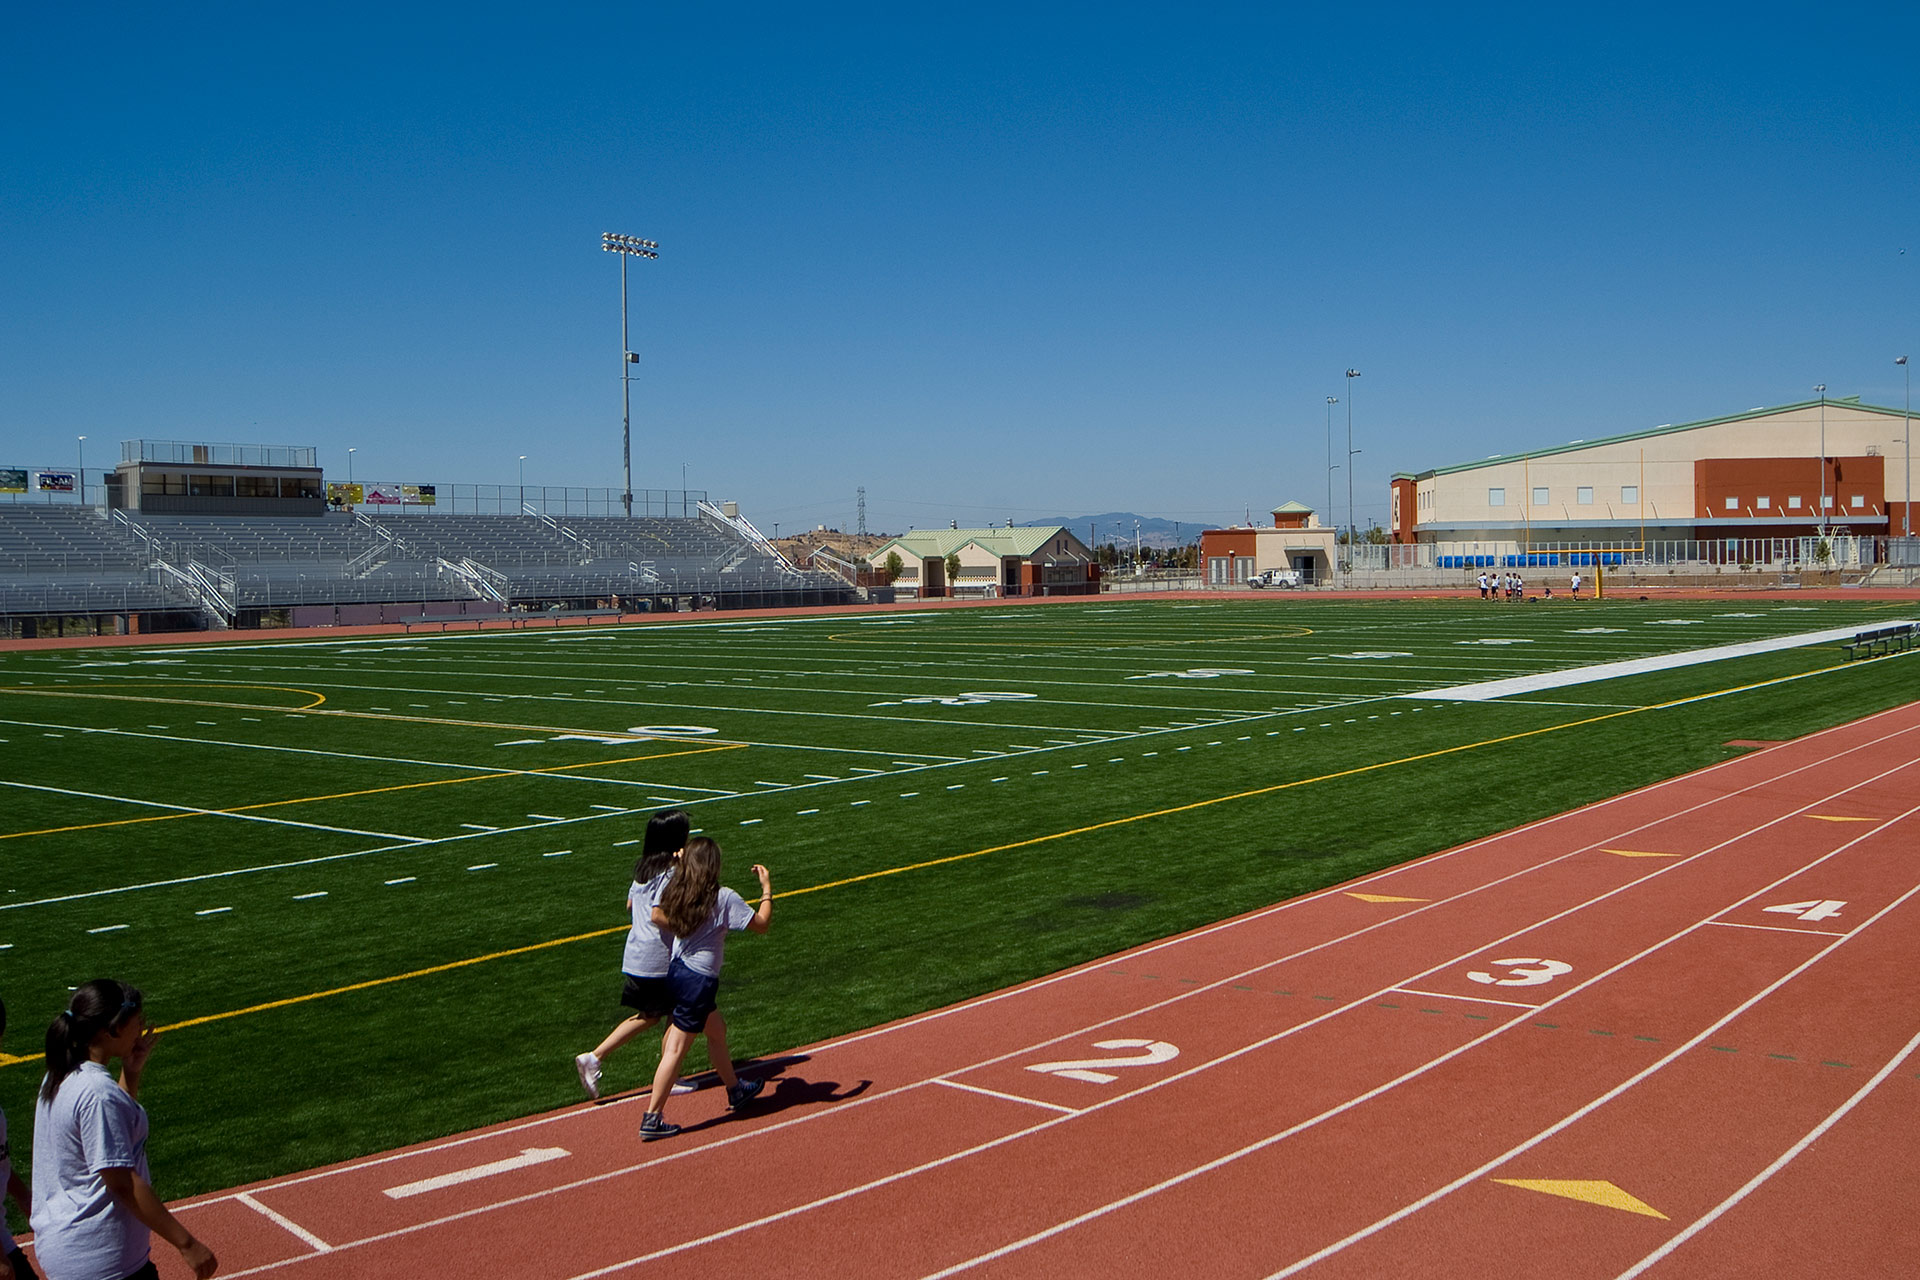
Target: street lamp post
x=1907, y=488
x=1822, y=389
x=523, y=486
x=626, y=247
x=83, y=470
x=1352, y=519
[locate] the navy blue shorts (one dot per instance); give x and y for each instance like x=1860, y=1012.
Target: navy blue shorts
x=648, y=997
x=695, y=996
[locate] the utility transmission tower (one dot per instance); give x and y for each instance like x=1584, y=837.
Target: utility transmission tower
x=862, y=530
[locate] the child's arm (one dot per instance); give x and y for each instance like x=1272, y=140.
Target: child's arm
x=763, y=917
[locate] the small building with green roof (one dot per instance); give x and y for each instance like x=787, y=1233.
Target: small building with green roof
x=1013, y=560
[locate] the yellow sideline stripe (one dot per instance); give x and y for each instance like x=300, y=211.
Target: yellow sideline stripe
x=7, y=1060
x=79, y=691
x=372, y=791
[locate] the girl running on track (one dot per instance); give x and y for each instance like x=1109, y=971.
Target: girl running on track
x=94, y=1211
x=700, y=913
x=649, y=947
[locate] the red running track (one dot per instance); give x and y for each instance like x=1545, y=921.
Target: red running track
x=1676, y=1033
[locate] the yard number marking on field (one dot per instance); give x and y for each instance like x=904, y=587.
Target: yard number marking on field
x=1152, y=1052
x=1523, y=971
x=527, y=1158
x=1809, y=911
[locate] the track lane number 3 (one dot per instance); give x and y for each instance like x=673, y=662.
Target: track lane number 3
x=1523, y=971
x=1152, y=1052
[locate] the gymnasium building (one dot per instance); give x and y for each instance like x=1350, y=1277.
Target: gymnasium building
x=1028, y=560
x=1822, y=469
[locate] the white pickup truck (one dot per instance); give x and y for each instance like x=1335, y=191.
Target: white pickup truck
x=1289, y=578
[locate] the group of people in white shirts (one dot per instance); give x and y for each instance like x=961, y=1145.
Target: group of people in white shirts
x=92, y=1206
x=1512, y=588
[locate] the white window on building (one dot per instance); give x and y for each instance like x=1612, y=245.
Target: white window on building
x=1733, y=504
x=1859, y=500
x=1217, y=570
x=1630, y=494
x=1763, y=502
x=1496, y=497
x=1793, y=502
x=1826, y=503
x=1584, y=495
x=1540, y=495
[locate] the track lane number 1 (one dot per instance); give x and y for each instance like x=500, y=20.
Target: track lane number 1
x=1523, y=971
x=1152, y=1052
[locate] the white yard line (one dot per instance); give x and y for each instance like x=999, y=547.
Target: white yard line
x=210, y=813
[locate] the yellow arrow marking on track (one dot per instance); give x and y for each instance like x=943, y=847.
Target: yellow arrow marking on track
x=1602, y=1193
x=1382, y=897
x=1639, y=853
x=1828, y=817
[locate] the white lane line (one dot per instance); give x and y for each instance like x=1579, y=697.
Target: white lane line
x=285, y=1223
x=547, y=817
x=621, y=844
x=1441, y=995
x=213, y=911
x=612, y=808
x=1707, y=1219
x=1773, y=928
x=209, y=813
x=483, y=866
x=478, y=826
x=404, y=880
x=526, y=1159
x=557, y=853
x=302, y=897
x=1010, y=1097
x=107, y=928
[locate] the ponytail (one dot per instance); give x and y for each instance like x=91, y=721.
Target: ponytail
x=100, y=1005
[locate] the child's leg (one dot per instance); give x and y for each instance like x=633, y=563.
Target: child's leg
x=621, y=1034
x=716, y=1033
x=673, y=1051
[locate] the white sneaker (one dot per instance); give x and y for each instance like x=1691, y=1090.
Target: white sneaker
x=588, y=1067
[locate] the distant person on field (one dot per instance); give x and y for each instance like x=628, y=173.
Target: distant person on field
x=1483, y=584
x=94, y=1210
x=1576, y=586
x=700, y=913
x=16, y=1191
x=649, y=947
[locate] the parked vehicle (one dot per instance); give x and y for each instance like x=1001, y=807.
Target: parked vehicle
x=1287, y=578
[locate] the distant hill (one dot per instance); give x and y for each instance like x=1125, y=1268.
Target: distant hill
x=1117, y=526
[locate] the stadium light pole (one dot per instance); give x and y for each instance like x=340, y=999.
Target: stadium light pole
x=523, y=486
x=1331, y=466
x=1351, y=517
x=1822, y=389
x=83, y=470
x=626, y=247
x=1907, y=507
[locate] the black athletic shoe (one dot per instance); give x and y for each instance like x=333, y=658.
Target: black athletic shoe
x=654, y=1126
x=743, y=1093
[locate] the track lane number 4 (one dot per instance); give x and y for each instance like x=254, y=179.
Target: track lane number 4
x=1809, y=911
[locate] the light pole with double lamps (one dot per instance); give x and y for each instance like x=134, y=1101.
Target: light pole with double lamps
x=626, y=247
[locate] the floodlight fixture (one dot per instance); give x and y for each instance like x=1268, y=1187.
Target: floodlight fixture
x=626, y=247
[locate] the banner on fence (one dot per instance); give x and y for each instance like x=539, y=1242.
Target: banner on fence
x=13, y=480
x=346, y=495
x=417, y=495
x=57, y=482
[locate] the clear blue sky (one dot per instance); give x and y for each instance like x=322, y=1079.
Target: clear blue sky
x=1014, y=261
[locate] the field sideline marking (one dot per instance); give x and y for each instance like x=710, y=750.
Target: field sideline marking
x=242, y=810
x=8, y=1059
x=187, y=811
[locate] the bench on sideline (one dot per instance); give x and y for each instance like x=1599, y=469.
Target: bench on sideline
x=1879, y=641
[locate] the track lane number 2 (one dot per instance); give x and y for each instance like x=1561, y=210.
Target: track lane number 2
x=1152, y=1052
x=1523, y=971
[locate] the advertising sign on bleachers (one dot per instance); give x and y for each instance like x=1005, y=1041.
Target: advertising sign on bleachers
x=57, y=482
x=13, y=480
x=345, y=495
x=418, y=495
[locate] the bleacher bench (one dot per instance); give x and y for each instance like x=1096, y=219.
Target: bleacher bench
x=1878, y=641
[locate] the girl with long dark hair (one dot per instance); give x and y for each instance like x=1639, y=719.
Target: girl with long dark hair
x=649, y=948
x=700, y=913
x=94, y=1210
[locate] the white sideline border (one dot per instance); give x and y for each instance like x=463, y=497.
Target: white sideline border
x=1488, y=690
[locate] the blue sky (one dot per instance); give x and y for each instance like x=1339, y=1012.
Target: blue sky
x=1012, y=261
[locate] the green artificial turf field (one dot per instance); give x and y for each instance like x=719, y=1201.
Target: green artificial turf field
x=376, y=886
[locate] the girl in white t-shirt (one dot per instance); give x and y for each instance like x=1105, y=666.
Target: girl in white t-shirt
x=649, y=947
x=700, y=913
x=94, y=1210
